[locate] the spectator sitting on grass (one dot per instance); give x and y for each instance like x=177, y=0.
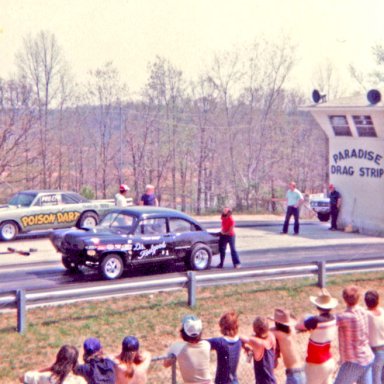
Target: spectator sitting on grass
x=96, y=368
x=228, y=349
x=192, y=354
x=61, y=372
x=131, y=364
x=263, y=347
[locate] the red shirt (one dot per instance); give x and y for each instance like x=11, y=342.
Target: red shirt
x=227, y=225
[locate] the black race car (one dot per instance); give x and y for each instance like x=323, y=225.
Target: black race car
x=136, y=236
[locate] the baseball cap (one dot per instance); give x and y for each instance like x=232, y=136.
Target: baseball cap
x=130, y=344
x=192, y=325
x=124, y=188
x=92, y=345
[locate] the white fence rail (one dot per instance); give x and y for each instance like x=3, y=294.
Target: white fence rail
x=21, y=299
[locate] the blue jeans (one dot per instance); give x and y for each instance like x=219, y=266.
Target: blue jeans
x=291, y=211
x=350, y=373
x=377, y=367
x=223, y=242
x=296, y=377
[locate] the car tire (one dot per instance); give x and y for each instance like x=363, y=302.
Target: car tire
x=111, y=267
x=8, y=230
x=88, y=220
x=323, y=216
x=69, y=265
x=200, y=257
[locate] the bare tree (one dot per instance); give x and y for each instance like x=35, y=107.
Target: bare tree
x=41, y=64
x=327, y=80
x=165, y=89
x=105, y=91
x=226, y=74
x=202, y=109
x=17, y=123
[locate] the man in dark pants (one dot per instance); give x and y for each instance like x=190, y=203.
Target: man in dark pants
x=335, y=202
x=227, y=236
x=294, y=200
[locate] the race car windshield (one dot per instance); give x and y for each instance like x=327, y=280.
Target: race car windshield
x=119, y=220
x=22, y=199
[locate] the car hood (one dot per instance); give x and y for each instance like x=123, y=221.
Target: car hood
x=7, y=206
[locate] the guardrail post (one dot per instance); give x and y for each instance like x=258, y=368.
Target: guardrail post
x=21, y=310
x=174, y=372
x=191, y=288
x=321, y=274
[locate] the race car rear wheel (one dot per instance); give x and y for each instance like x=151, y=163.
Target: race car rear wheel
x=8, y=230
x=88, y=220
x=112, y=267
x=200, y=257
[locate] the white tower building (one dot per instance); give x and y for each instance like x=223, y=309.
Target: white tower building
x=355, y=128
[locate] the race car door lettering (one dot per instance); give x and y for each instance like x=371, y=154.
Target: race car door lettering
x=152, y=250
x=49, y=218
x=138, y=247
x=67, y=217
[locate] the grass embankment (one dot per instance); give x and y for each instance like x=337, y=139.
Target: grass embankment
x=155, y=319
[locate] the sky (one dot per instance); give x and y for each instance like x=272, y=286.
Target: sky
x=188, y=33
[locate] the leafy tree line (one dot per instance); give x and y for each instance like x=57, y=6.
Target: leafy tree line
x=234, y=135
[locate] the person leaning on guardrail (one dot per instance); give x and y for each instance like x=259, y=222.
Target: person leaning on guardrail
x=228, y=349
x=131, y=364
x=287, y=346
x=320, y=364
x=376, y=334
x=61, y=371
x=96, y=368
x=192, y=354
x=356, y=356
x=262, y=346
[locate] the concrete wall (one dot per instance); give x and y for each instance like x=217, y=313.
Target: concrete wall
x=356, y=168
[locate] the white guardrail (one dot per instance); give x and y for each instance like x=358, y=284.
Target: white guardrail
x=21, y=299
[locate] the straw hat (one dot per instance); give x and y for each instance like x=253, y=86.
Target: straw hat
x=324, y=300
x=283, y=317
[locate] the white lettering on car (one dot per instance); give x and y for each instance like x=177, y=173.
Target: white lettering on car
x=138, y=247
x=152, y=250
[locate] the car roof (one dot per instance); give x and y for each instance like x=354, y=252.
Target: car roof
x=35, y=191
x=149, y=211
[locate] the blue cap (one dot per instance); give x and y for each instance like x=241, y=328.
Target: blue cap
x=130, y=344
x=92, y=345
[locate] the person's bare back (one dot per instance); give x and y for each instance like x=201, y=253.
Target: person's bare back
x=288, y=349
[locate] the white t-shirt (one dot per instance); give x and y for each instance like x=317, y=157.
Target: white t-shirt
x=194, y=361
x=34, y=377
x=376, y=328
x=120, y=200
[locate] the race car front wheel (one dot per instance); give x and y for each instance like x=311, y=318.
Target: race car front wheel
x=88, y=220
x=111, y=267
x=8, y=230
x=69, y=265
x=200, y=257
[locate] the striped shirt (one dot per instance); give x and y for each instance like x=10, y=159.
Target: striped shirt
x=353, y=336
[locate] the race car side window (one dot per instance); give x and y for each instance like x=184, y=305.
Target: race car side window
x=67, y=198
x=152, y=227
x=48, y=200
x=22, y=199
x=180, y=225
